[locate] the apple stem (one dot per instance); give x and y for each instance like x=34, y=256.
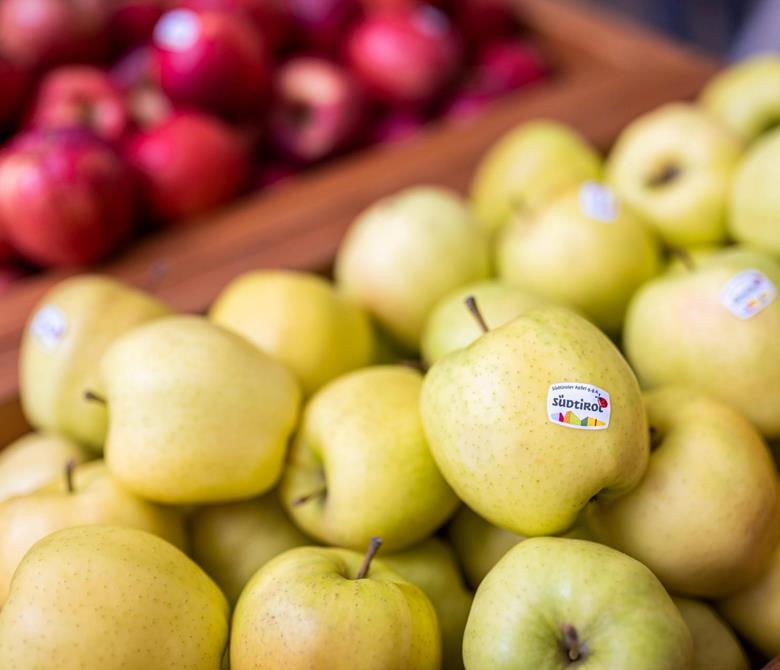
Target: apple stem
x=471, y=303
x=70, y=466
x=300, y=500
x=414, y=364
x=571, y=642
x=666, y=175
x=373, y=547
x=685, y=258
x=94, y=397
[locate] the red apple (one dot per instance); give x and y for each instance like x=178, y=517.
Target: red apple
x=481, y=21
x=465, y=105
x=13, y=85
x=505, y=66
x=137, y=77
x=188, y=164
x=7, y=253
x=132, y=22
x=80, y=96
x=38, y=33
x=322, y=25
x=270, y=174
x=66, y=198
x=318, y=109
x=398, y=126
x=374, y=6
x=405, y=58
x=9, y=275
x=271, y=17
x=213, y=60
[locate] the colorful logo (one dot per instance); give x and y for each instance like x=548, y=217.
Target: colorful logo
x=579, y=405
x=747, y=293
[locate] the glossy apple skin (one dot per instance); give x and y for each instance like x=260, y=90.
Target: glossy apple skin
x=271, y=18
x=80, y=96
x=318, y=109
x=14, y=85
x=41, y=33
x=405, y=58
x=321, y=25
x=187, y=165
x=66, y=197
x=216, y=61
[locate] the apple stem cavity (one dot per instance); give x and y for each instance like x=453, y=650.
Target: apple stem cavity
x=94, y=397
x=300, y=500
x=471, y=303
x=571, y=643
x=665, y=176
x=373, y=548
x=684, y=257
x=70, y=466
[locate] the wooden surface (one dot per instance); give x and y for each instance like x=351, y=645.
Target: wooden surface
x=608, y=72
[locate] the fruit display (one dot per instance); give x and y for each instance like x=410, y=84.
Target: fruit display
x=114, y=113
x=526, y=428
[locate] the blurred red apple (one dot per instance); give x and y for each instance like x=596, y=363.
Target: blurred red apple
x=13, y=87
x=80, y=96
x=136, y=75
x=9, y=275
x=132, y=22
x=405, y=58
x=398, y=126
x=373, y=6
x=318, y=109
x=505, y=66
x=138, y=67
x=271, y=17
x=7, y=253
x=66, y=198
x=322, y=25
x=188, y=164
x=213, y=60
x=38, y=33
x=270, y=174
x=481, y=21
x=465, y=105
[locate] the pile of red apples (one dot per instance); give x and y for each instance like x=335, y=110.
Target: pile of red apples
x=120, y=116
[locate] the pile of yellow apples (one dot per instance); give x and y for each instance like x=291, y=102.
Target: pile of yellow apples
x=526, y=431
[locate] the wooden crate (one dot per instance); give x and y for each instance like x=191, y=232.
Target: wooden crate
x=608, y=72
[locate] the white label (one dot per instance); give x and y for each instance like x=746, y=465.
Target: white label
x=598, y=202
x=747, y=293
x=49, y=326
x=577, y=405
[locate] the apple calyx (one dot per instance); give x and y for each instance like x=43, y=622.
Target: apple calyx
x=373, y=548
x=70, y=466
x=572, y=645
x=300, y=500
x=684, y=257
x=668, y=173
x=471, y=304
x=91, y=396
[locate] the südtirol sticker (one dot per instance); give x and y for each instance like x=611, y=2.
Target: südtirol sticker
x=578, y=405
x=747, y=293
x=598, y=202
x=49, y=326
